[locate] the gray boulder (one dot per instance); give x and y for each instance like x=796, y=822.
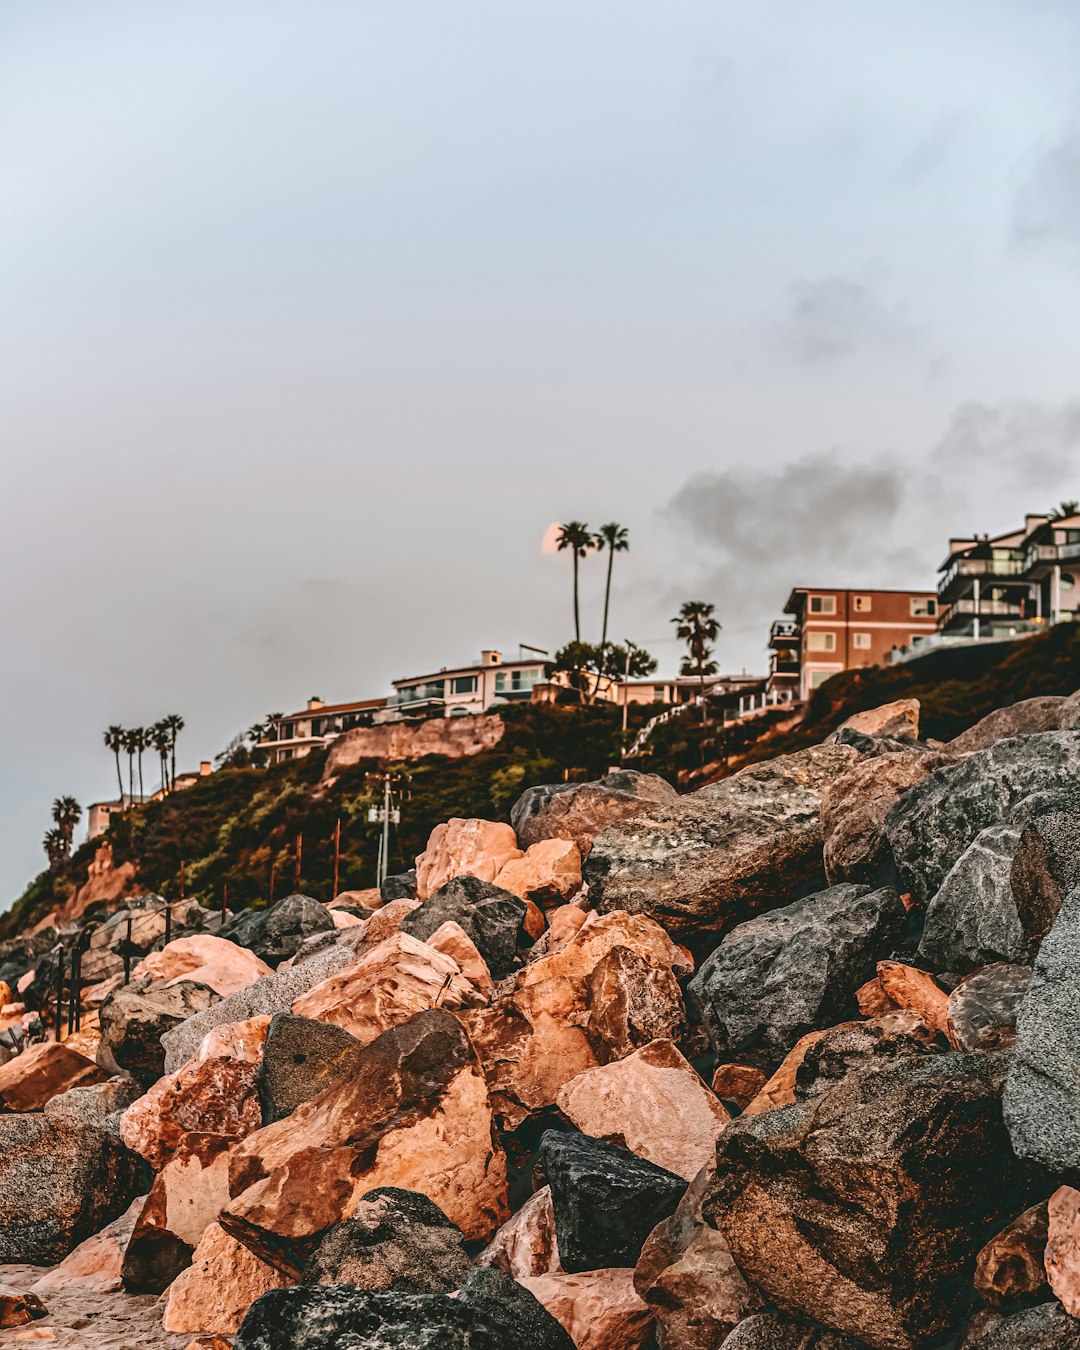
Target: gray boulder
x=1047, y=1327
x=775, y=1331
x=982, y=1009
x=1069, y=713
x=135, y=1017
x=793, y=970
x=1046, y=864
x=301, y=1058
x=579, y=811
x=1029, y=717
x=972, y=920
x=275, y=934
x=490, y=916
x=400, y=886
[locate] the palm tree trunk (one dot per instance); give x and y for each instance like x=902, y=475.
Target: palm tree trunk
x=141, y=791
x=131, y=776
x=577, y=613
x=607, y=598
x=119, y=775
x=172, y=776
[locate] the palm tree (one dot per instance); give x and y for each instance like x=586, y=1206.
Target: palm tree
x=576, y=536
x=56, y=847
x=131, y=744
x=615, y=538
x=114, y=739
x=1065, y=509
x=696, y=625
x=175, y=723
x=160, y=741
x=66, y=813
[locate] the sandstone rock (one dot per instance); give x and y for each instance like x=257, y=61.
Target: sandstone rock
x=779, y=1090
x=972, y=920
x=44, y=1071
x=1046, y=866
x=900, y=719
x=1010, y=1268
x=1026, y=718
x=703, y=862
x=18, y=1309
x=935, y=821
x=453, y=941
x=863, y=1207
x=1047, y=1327
x=490, y=1313
x=135, y=1017
x=526, y=1244
x=606, y=1200
x=794, y=970
x=579, y=811
x=93, y=1267
x=982, y=1009
x=548, y=873
x=204, y=959
x=302, y=1058
x=634, y=1101
x=489, y=915
x=738, y=1083
x=563, y=923
x=414, y=1113
x=872, y=999
x=396, y=1239
x=914, y=990
x=222, y=1282
x=1062, y=1255
x=599, y=1309
x=450, y=737
x=276, y=933
x=474, y=848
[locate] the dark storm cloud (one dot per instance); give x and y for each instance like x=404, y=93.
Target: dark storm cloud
x=837, y=318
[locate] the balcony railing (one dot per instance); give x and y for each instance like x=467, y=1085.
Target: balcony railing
x=783, y=631
x=420, y=693
x=982, y=567
x=985, y=609
x=1051, y=553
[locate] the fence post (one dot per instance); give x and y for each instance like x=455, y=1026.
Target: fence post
x=224, y=900
x=61, y=956
x=273, y=873
x=127, y=953
x=73, y=990
x=337, y=856
x=168, y=924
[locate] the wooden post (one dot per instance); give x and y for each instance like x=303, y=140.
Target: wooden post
x=337, y=856
x=299, y=860
x=127, y=953
x=168, y=924
x=73, y=990
x=61, y=956
x=273, y=873
x=224, y=900
x=181, y=878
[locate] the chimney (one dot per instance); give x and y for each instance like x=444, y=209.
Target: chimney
x=1033, y=523
x=205, y=767
x=490, y=658
x=314, y=703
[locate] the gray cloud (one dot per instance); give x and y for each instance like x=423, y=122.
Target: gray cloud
x=1047, y=208
x=838, y=318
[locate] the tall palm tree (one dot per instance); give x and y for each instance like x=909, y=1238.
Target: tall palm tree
x=56, y=847
x=616, y=539
x=66, y=813
x=175, y=723
x=696, y=625
x=1065, y=509
x=160, y=741
x=576, y=536
x=114, y=739
x=131, y=744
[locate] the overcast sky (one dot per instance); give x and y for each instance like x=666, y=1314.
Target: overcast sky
x=314, y=314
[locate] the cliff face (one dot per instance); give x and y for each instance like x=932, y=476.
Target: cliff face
x=105, y=880
x=451, y=737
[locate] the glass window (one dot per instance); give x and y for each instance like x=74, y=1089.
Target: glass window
x=922, y=608
x=818, y=678
x=863, y=603
x=823, y=604
x=861, y=640
x=465, y=684
x=821, y=642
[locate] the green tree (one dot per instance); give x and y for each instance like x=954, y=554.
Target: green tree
x=57, y=849
x=696, y=625
x=175, y=723
x=576, y=536
x=616, y=539
x=131, y=745
x=161, y=741
x=114, y=740
x=66, y=814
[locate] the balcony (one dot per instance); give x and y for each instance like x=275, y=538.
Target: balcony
x=418, y=695
x=783, y=633
x=960, y=576
x=777, y=667
x=986, y=609
x=1047, y=555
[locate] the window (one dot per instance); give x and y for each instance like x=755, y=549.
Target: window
x=464, y=684
x=922, y=608
x=821, y=642
x=862, y=604
x=818, y=678
x=861, y=640
x=511, y=681
x=823, y=604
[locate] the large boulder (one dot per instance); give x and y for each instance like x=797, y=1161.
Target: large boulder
x=1062, y=1255
x=1046, y=865
x=44, y=1071
x=204, y=959
x=474, y=848
x=215, y=1292
x=1010, y=1269
x=899, y=719
x=548, y=873
x=1047, y=1327
x=774, y=1331
x=579, y=811
x=972, y=919
x=134, y=1018
x=275, y=934
x=301, y=1058
x=1026, y=718
x=935, y=821
x=491, y=916
x=981, y=1010
x=599, y=1309
x=793, y=970
x=526, y=1244
x=863, y=1207
x=703, y=862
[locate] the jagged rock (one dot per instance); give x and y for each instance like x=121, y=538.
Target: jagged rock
x=93, y=1267
x=1047, y=1327
x=935, y=821
x=779, y=1089
x=1041, y=1104
x=548, y=873
x=563, y=923
x=490, y=1313
x=862, y=1207
x=1062, y=1256
x=301, y=1058
x=44, y=1071
x=738, y=1083
x=413, y=1113
x=203, y=959
x=599, y=1309
x=972, y=920
x=833, y=1054
x=400, y=886
x=18, y=1309
x=606, y=993
x=686, y=1274
x=453, y=941
x=982, y=1008
x=276, y=933
x=634, y=1101
x=134, y=1018
x=579, y=811
x=473, y=848
x=899, y=718
x=703, y=862
x=1046, y=866
x=491, y=917
x=1069, y=713
x=774, y=1331
x=1026, y=718
x=914, y=990
x=216, y=1290
x=526, y=1244
x=606, y=1200
x=396, y=1239
x=794, y=970
x=1010, y=1268
x=872, y=999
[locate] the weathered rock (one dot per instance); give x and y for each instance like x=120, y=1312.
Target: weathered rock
x=1046, y=866
x=1026, y=718
x=474, y=848
x=448, y=737
x=563, y=923
x=794, y=970
x=276, y=933
x=982, y=1008
x=863, y=1206
x=1047, y=1327
x=872, y=999
x=18, y=1309
x=899, y=718
x=935, y=821
x=599, y=1309
x=400, y=886
x=779, y=1089
x=1062, y=1255
x=93, y=1267
x=738, y=1083
x=216, y=1290
x=972, y=920
x=134, y=1018
x=414, y=1113
x=634, y=1101
x=606, y=1200
x=396, y=1239
x=579, y=811
x=453, y=941
x=204, y=959
x=831, y=1055
x=490, y=916
x=1010, y=1268
x=301, y=1058
x=548, y=873
x=44, y=1071
x=914, y=990
x=490, y=1313
x=526, y=1244
x=702, y=863
x=774, y=1331
x=1069, y=713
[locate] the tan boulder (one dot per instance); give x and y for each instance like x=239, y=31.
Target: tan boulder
x=599, y=1309
x=214, y=961
x=342, y=919
x=526, y=1244
x=189, y=1192
x=549, y=872
x=222, y=1282
x=916, y=991
x=453, y=941
x=475, y=848
x=563, y=923
x=780, y=1089
x=738, y=1083
x=371, y=899
x=413, y=1113
x=634, y=1101
x=94, y=1266
x=1010, y=1268
x=389, y=984
x=872, y=999
x=383, y=923
x=44, y=1071
x=1062, y=1257
x=899, y=718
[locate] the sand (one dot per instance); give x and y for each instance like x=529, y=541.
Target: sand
x=88, y=1319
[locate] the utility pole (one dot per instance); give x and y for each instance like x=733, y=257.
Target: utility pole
x=626, y=692
x=386, y=814
x=337, y=856
x=299, y=861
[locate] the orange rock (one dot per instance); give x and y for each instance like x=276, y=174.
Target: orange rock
x=872, y=999
x=914, y=989
x=453, y=941
x=533, y=925
x=371, y=898
x=214, y=961
x=780, y=1089
x=44, y=1071
x=1062, y=1257
x=738, y=1083
x=222, y=1282
x=563, y=923
x=475, y=848
x=94, y=1266
x=5, y=993
x=235, y=1040
x=548, y=872
x=634, y=1101
x=599, y=1309
x=399, y=978
x=1011, y=1267
x=342, y=919
x=18, y=1309
x=383, y=923
x=526, y=1244
x=208, y=1343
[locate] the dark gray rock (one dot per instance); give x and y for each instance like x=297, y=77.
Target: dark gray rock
x=490, y=916
x=275, y=934
x=972, y=920
x=862, y=1208
x=774, y=1331
x=301, y=1058
x=492, y=1312
x=794, y=970
x=396, y=1240
x=606, y=1199
x=1046, y=865
x=400, y=886
x=934, y=823
x=1047, y=1327
x=579, y=811
x=857, y=1044
x=1026, y=718
x=982, y=1008
x=1069, y=713
x=1042, y=1096
x=134, y=1018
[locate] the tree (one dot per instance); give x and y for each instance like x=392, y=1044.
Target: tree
x=142, y=741
x=1065, y=509
x=66, y=814
x=56, y=847
x=114, y=739
x=696, y=625
x=616, y=665
x=161, y=741
x=580, y=659
x=131, y=744
x=576, y=536
x=616, y=539
x=175, y=723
